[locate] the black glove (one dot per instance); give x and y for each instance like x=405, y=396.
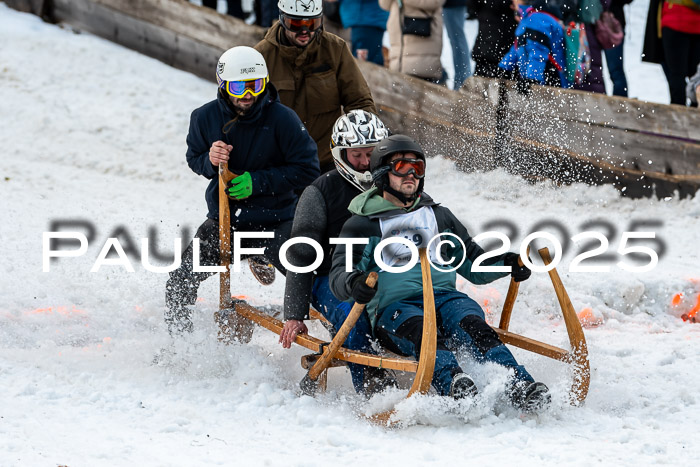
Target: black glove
x=519, y=273
x=361, y=292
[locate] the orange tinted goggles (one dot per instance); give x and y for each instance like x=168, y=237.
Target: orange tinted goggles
x=301, y=24
x=405, y=167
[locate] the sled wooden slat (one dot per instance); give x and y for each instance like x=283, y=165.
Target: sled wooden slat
x=307, y=361
x=578, y=356
x=230, y=324
x=315, y=345
x=532, y=345
x=341, y=335
x=313, y=314
x=426, y=361
x=225, y=176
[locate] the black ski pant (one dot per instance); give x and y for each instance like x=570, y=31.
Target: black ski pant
x=181, y=288
x=682, y=52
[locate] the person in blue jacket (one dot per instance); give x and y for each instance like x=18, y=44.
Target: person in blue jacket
x=368, y=23
x=265, y=143
x=538, y=54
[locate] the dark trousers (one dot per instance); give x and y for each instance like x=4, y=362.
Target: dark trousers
x=234, y=7
x=682, y=52
x=336, y=312
x=181, y=288
x=269, y=12
x=460, y=323
x=614, y=60
x=370, y=39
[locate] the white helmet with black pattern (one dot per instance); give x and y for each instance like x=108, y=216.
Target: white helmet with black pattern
x=355, y=129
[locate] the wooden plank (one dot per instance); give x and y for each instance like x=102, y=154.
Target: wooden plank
x=181, y=17
x=532, y=345
x=598, y=109
x=315, y=345
x=342, y=334
x=155, y=41
x=589, y=131
x=579, y=348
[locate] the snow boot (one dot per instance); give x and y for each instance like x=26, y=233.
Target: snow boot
x=262, y=269
x=462, y=387
x=530, y=396
x=377, y=380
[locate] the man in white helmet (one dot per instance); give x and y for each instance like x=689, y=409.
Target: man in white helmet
x=314, y=71
x=261, y=140
x=320, y=215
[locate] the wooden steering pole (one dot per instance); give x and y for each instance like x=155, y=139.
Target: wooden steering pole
x=426, y=362
x=231, y=325
x=578, y=356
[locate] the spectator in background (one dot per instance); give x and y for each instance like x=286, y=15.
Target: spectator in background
x=593, y=81
x=314, y=72
x=680, y=36
x=537, y=55
x=496, y=34
x=692, y=91
x=415, y=34
x=234, y=8
x=614, y=56
x=368, y=23
x=454, y=14
x=269, y=13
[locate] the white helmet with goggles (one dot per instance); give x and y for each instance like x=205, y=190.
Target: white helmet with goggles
x=301, y=8
x=241, y=70
x=301, y=15
x=356, y=129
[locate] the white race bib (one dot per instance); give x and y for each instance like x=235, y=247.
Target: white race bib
x=418, y=226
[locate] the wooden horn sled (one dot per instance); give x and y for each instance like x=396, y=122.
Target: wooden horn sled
x=236, y=320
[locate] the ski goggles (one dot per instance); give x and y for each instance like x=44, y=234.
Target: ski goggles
x=301, y=24
x=406, y=167
x=239, y=89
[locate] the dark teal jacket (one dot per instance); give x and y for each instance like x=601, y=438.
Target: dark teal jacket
x=368, y=210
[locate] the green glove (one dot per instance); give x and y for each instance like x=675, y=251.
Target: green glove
x=240, y=187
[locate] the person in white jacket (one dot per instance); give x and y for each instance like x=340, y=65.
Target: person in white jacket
x=415, y=36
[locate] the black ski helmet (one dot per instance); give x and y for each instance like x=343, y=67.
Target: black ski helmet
x=392, y=145
x=379, y=161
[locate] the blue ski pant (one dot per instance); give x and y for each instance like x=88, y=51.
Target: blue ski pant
x=460, y=324
x=336, y=312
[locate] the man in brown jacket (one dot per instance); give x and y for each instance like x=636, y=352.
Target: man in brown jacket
x=313, y=71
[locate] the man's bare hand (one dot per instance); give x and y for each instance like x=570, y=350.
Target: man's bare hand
x=219, y=152
x=290, y=331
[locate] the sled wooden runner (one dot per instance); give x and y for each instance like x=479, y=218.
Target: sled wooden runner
x=235, y=321
x=577, y=356
x=428, y=348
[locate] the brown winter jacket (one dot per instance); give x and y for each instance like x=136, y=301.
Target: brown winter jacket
x=410, y=54
x=316, y=81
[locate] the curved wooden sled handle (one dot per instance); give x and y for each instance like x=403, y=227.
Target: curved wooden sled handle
x=578, y=356
x=426, y=361
x=308, y=384
x=231, y=325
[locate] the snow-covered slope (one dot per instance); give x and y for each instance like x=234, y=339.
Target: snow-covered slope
x=96, y=133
